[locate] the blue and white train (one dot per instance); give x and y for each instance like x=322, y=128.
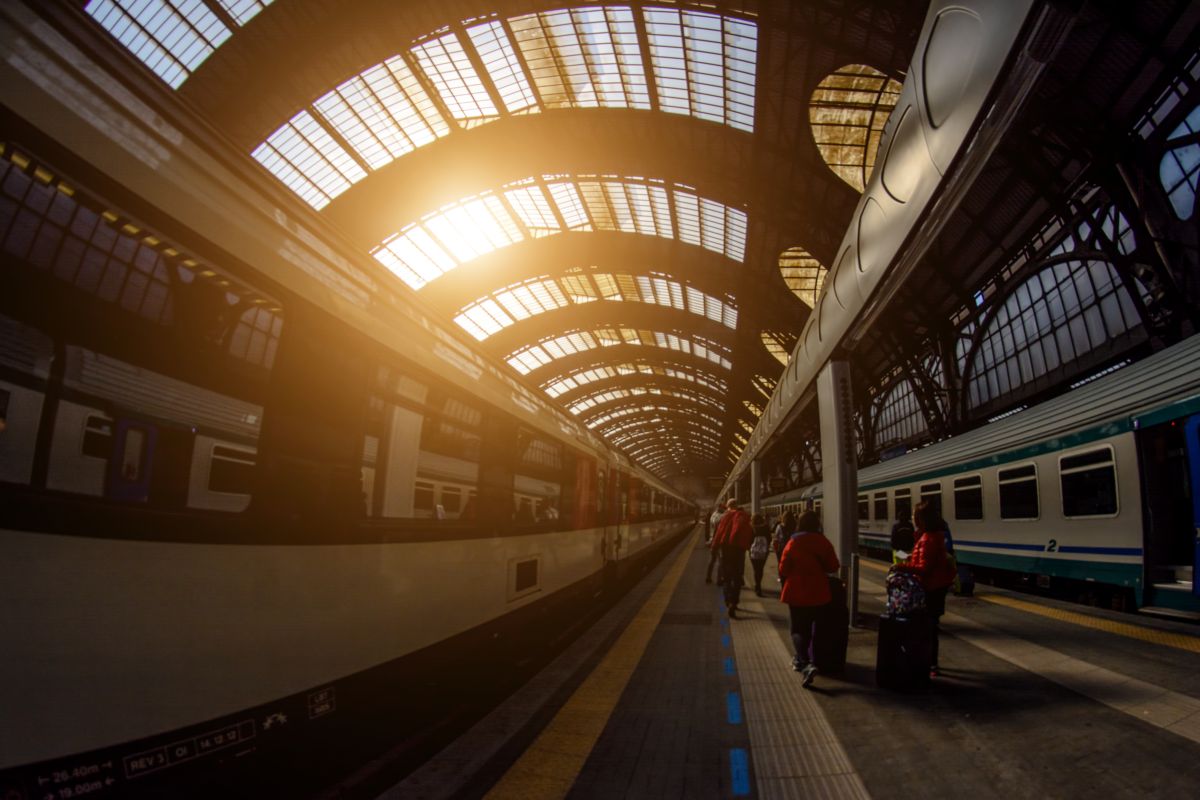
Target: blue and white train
x=1095, y=489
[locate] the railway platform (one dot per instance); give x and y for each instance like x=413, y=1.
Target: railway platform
x=667, y=697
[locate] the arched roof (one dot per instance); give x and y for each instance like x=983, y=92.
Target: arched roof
x=543, y=170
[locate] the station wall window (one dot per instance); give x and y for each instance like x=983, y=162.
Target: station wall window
x=881, y=507
x=1019, y=492
x=968, y=497
x=932, y=493
x=904, y=503
x=864, y=507
x=1089, y=483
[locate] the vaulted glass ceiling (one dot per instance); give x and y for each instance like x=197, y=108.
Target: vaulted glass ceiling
x=455, y=234
x=486, y=316
x=665, y=79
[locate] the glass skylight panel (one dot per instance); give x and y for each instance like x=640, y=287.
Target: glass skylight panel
x=532, y=298
x=414, y=256
x=483, y=319
x=704, y=65
x=803, y=274
x=383, y=113
x=449, y=70
x=584, y=57
x=306, y=158
x=474, y=228
x=171, y=38
x=243, y=11
x=570, y=206
x=496, y=52
x=533, y=207
x=848, y=112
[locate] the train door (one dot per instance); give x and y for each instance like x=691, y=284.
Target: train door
x=1169, y=457
x=1192, y=434
x=130, y=466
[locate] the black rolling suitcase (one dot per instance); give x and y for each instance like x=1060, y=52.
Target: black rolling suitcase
x=905, y=652
x=831, y=634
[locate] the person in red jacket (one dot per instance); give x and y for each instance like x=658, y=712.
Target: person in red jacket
x=732, y=540
x=931, y=564
x=807, y=560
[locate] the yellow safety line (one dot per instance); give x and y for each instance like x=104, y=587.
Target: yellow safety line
x=1180, y=641
x=552, y=763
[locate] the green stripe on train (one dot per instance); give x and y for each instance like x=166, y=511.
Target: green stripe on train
x=1128, y=575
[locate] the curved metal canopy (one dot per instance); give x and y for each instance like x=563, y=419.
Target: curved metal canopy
x=601, y=195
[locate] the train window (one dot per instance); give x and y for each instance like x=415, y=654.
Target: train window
x=881, y=513
x=451, y=499
x=230, y=470
x=1089, y=484
x=425, y=459
x=968, y=497
x=5, y=396
x=537, y=479
x=904, y=503
x=932, y=493
x=864, y=507
x=423, y=496
x=97, y=437
x=1019, y=492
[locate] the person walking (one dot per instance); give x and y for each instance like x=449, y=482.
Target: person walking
x=931, y=563
x=903, y=536
x=760, y=548
x=732, y=540
x=807, y=560
x=714, y=521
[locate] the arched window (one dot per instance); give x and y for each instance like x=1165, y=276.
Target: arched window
x=778, y=344
x=1180, y=164
x=803, y=274
x=1053, y=319
x=847, y=112
x=900, y=416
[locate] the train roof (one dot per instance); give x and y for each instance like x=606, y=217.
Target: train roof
x=1122, y=400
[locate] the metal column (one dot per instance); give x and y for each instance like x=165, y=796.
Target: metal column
x=755, y=489
x=839, y=467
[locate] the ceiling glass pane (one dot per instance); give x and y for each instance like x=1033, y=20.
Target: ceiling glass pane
x=306, y=158
x=383, y=113
x=496, y=52
x=449, y=70
x=584, y=57
x=704, y=65
x=171, y=38
x=803, y=274
x=848, y=111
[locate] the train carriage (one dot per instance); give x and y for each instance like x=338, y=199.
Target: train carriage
x=1095, y=489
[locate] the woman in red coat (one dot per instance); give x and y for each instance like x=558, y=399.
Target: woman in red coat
x=807, y=560
x=932, y=565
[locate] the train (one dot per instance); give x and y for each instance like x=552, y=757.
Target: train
x=1094, y=492
x=255, y=500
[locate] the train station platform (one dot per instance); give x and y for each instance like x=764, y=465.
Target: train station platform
x=668, y=697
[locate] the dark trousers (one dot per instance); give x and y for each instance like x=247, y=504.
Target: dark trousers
x=803, y=619
x=733, y=564
x=712, y=559
x=935, y=605
x=757, y=566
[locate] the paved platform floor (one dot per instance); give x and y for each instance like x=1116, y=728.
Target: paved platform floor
x=668, y=698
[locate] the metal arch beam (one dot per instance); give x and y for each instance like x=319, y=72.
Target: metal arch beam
x=605, y=251
x=624, y=354
x=608, y=314
x=644, y=382
x=718, y=161
x=669, y=403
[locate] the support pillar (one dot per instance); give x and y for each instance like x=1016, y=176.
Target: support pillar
x=755, y=486
x=839, y=465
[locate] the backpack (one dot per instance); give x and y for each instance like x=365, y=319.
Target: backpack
x=904, y=593
x=759, y=548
